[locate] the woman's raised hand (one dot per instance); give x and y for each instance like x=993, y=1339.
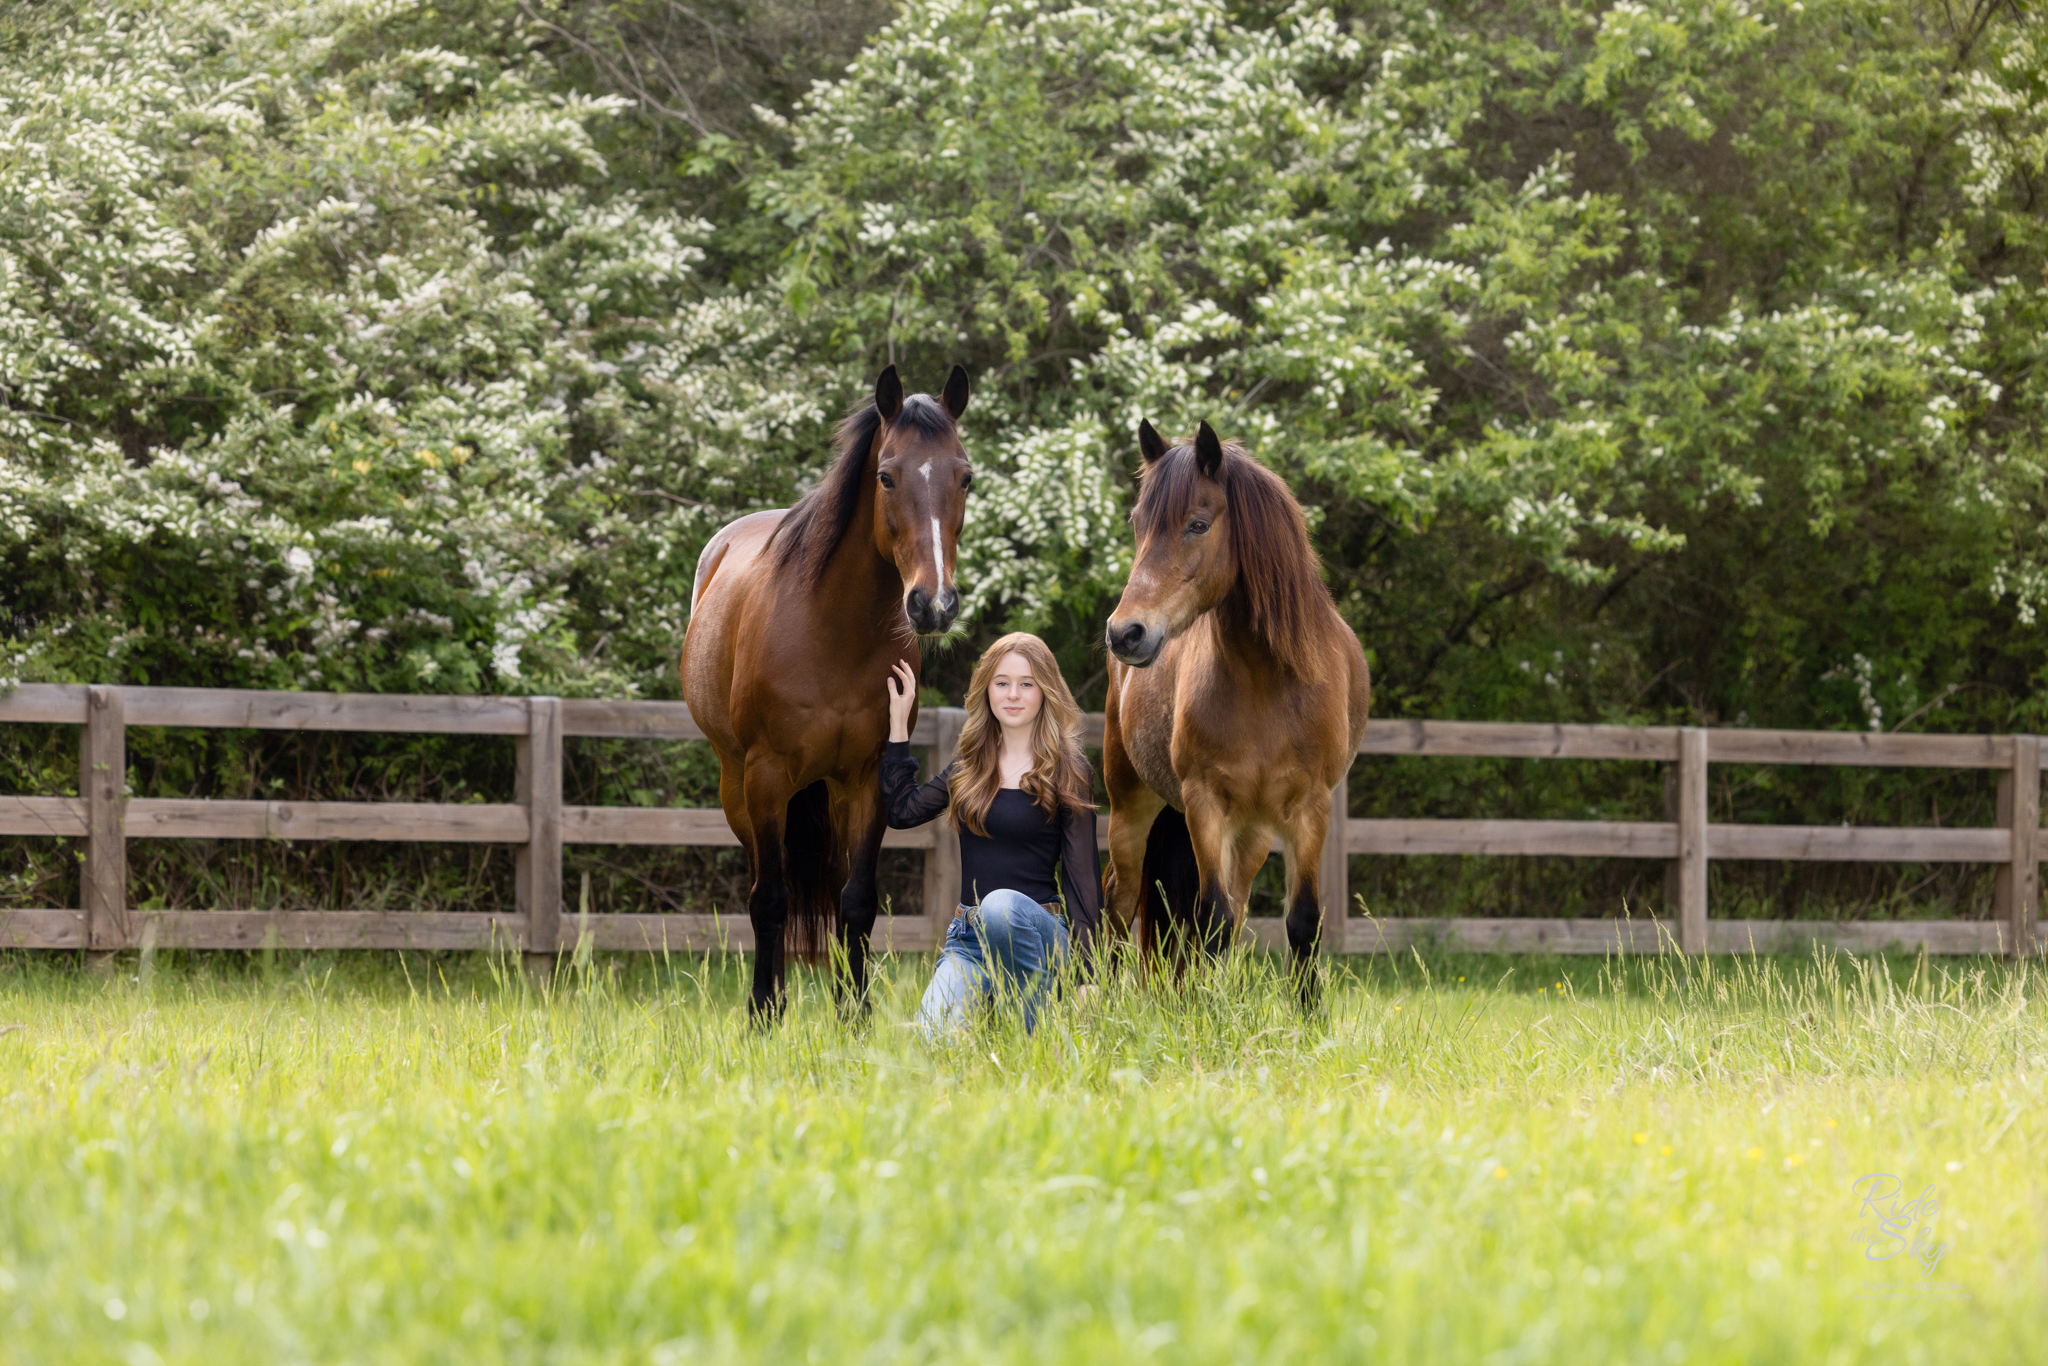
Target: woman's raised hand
x=902, y=697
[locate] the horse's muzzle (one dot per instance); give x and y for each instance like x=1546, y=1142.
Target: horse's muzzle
x=931, y=616
x=1135, y=645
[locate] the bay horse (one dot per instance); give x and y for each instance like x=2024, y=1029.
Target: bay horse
x=1237, y=698
x=796, y=617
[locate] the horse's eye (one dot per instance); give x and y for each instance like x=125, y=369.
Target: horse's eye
x=887, y=482
x=1197, y=527
x=967, y=481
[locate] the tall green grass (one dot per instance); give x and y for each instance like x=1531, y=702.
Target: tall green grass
x=1462, y=1159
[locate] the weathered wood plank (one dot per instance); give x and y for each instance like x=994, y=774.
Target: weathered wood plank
x=42, y=929
x=237, y=709
x=1858, y=749
x=1651, y=936
x=1858, y=844
x=1375, y=935
x=336, y=930
x=1586, y=839
x=628, y=720
x=59, y=704
x=645, y=825
x=1857, y=936
x=1694, y=840
x=1515, y=740
x=62, y=816
x=2023, y=874
x=103, y=785
x=681, y=825
x=406, y=822
x=537, y=867
x=302, y=930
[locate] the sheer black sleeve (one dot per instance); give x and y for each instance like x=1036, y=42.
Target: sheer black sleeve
x=906, y=802
x=1081, y=882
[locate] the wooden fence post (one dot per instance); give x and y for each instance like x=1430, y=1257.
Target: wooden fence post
x=2017, y=898
x=1691, y=865
x=103, y=783
x=942, y=860
x=1334, y=874
x=539, y=861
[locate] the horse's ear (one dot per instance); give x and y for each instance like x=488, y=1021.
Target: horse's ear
x=1151, y=444
x=889, y=395
x=1208, y=451
x=956, y=392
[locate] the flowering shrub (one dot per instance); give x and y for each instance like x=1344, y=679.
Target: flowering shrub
x=333, y=360
x=339, y=350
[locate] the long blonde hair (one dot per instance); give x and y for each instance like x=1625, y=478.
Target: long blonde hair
x=1058, y=776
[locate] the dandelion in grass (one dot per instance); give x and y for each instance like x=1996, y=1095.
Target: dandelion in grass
x=1664, y=1151
x=1793, y=1159
x=1754, y=1154
x=1500, y=1173
x=1641, y=1138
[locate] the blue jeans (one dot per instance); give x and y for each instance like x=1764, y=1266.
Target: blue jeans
x=1008, y=944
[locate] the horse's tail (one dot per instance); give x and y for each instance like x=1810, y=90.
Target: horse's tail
x=812, y=857
x=1172, y=884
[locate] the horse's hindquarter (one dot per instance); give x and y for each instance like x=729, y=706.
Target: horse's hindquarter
x=730, y=576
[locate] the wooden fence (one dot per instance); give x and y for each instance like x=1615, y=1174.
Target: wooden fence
x=539, y=824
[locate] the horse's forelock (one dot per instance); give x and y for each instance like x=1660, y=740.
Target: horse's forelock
x=1277, y=568
x=805, y=539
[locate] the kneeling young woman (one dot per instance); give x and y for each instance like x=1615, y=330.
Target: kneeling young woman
x=1019, y=794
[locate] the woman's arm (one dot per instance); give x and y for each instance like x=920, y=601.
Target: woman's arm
x=1081, y=880
x=904, y=803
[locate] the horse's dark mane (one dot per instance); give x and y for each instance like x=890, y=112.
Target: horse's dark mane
x=803, y=541
x=1278, y=573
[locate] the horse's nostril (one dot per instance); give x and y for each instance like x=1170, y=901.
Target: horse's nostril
x=916, y=602
x=1129, y=638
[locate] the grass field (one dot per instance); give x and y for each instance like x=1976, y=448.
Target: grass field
x=1464, y=1160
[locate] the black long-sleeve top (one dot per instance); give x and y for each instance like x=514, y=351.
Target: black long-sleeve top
x=1049, y=858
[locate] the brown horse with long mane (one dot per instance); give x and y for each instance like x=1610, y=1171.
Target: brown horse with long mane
x=796, y=618
x=1237, y=697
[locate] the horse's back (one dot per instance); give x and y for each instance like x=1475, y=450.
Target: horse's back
x=744, y=536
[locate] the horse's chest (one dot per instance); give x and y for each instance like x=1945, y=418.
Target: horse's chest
x=1148, y=740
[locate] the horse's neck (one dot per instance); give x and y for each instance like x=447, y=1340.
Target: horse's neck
x=857, y=579
x=1231, y=621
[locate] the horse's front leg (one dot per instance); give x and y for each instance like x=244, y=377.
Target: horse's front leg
x=1132, y=809
x=859, y=810
x=1308, y=825
x=1209, y=831
x=767, y=791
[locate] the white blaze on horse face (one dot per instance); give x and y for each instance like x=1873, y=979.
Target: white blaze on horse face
x=926, y=470
x=939, y=554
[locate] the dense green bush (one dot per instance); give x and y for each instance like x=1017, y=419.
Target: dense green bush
x=1636, y=362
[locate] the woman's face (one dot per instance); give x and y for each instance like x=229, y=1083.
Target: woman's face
x=1013, y=694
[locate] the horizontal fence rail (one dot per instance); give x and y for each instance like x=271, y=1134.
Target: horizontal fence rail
x=538, y=825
